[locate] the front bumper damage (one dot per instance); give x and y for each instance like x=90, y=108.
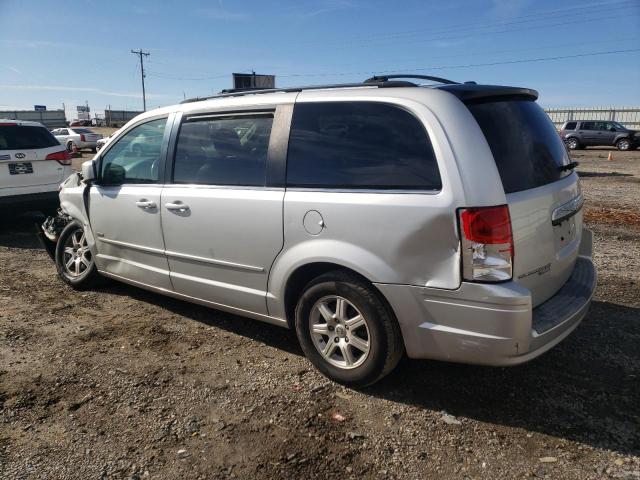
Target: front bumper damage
x=49, y=232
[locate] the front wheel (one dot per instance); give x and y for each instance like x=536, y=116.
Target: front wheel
x=623, y=144
x=346, y=329
x=74, y=260
x=572, y=143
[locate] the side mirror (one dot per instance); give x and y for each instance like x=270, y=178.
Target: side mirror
x=89, y=170
x=114, y=174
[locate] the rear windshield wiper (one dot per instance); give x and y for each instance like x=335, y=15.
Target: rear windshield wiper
x=568, y=166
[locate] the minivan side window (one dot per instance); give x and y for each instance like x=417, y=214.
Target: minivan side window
x=226, y=150
x=134, y=157
x=359, y=145
x=588, y=126
x=570, y=126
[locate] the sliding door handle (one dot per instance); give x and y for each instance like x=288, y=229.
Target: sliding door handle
x=177, y=207
x=145, y=204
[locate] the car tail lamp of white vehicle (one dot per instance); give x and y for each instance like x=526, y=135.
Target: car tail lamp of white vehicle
x=62, y=157
x=487, y=244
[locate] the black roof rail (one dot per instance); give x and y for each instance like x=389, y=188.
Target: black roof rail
x=240, y=93
x=386, y=78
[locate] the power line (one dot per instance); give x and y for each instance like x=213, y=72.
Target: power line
x=583, y=10
x=470, y=65
x=140, y=54
x=382, y=42
x=403, y=69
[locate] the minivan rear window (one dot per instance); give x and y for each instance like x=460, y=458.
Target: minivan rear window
x=18, y=137
x=526, y=146
x=359, y=145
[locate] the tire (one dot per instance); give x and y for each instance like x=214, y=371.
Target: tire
x=82, y=273
x=360, y=352
x=70, y=147
x=94, y=149
x=572, y=143
x=623, y=144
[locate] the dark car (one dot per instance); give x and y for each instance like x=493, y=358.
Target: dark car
x=578, y=134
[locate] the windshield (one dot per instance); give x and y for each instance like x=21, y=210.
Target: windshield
x=526, y=146
x=18, y=137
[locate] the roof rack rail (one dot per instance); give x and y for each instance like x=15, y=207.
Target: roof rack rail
x=386, y=78
x=240, y=93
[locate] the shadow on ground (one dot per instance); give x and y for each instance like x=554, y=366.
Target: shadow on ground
x=587, y=389
x=603, y=174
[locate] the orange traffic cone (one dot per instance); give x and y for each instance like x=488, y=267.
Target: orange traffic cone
x=610, y=157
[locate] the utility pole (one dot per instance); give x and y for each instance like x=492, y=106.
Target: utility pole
x=140, y=53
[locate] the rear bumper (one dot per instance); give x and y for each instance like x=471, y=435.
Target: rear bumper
x=20, y=203
x=491, y=324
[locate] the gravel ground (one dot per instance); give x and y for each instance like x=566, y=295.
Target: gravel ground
x=121, y=383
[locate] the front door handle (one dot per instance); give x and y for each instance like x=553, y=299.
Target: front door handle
x=177, y=207
x=145, y=204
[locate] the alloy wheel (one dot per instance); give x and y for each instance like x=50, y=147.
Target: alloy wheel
x=77, y=257
x=339, y=332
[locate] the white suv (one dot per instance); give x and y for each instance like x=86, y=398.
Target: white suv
x=32, y=165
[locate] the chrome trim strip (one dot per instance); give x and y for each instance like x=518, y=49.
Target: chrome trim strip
x=214, y=283
x=213, y=261
x=238, y=311
x=567, y=210
x=142, y=266
x=364, y=190
x=132, y=246
x=182, y=256
x=223, y=187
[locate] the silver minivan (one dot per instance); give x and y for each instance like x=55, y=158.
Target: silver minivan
x=375, y=218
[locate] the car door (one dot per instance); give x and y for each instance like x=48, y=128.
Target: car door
x=222, y=212
x=588, y=133
x=124, y=206
x=610, y=133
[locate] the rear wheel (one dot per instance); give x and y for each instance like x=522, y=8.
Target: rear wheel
x=74, y=260
x=572, y=143
x=94, y=150
x=346, y=329
x=623, y=144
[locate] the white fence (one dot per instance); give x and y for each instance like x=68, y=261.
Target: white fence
x=627, y=116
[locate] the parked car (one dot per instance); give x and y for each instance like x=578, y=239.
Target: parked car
x=80, y=123
x=374, y=221
x=32, y=166
x=81, y=137
x=598, y=133
x=101, y=142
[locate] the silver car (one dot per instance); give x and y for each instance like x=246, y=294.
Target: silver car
x=376, y=218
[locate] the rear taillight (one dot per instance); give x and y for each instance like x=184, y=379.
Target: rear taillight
x=62, y=157
x=487, y=244
x=82, y=138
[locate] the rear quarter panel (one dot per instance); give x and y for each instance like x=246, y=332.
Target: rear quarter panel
x=395, y=237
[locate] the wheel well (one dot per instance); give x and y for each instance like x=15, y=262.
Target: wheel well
x=301, y=277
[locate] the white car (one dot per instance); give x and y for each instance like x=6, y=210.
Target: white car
x=32, y=166
x=80, y=136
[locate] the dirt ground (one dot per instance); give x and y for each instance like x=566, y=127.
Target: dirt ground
x=121, y=383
